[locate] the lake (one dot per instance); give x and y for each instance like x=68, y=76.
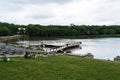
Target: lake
x=101, y=48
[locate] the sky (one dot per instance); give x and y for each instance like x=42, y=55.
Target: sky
x=60, y=12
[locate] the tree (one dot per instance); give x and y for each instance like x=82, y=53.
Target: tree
x=4, y=31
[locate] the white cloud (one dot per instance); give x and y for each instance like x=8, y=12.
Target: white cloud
x=55, y=12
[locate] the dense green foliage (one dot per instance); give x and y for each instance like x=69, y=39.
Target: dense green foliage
x=7, y=29
x=59, y=68
x=57, y=30
x=37, y=30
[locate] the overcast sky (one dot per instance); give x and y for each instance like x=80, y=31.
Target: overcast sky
x=60, y=12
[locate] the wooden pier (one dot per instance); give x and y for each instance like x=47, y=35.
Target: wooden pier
x=62, y=48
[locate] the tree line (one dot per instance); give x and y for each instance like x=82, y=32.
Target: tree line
x=7, y=29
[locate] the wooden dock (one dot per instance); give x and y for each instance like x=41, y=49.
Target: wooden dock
x=64, y=47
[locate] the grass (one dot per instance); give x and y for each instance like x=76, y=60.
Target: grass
x=59, y=68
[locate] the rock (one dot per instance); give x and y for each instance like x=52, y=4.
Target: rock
x=4, y=58
x=117, y=58
x=26, y=54
x=33, y=56
x=89, y=55
x=30, y=55
x=68, y=51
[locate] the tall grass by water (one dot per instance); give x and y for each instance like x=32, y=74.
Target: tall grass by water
x=59, y=68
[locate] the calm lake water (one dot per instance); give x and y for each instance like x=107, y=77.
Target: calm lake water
x=101, y=48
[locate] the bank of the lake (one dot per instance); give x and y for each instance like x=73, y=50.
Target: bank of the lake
x=110, y=35
x=101, y=47
x=59, y=68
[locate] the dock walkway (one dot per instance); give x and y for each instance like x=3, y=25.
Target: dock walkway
x=64, y=47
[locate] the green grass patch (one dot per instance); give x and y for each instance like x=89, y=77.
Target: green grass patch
x=59, y=68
